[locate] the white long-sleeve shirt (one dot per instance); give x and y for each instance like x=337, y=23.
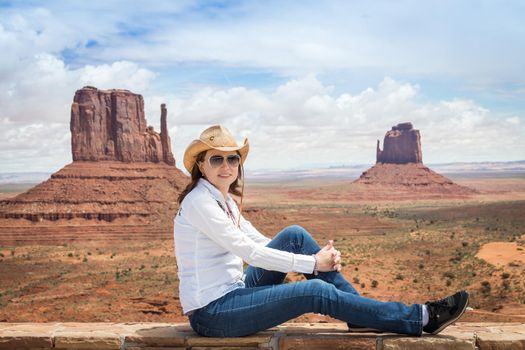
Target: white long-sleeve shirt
x=210, y=248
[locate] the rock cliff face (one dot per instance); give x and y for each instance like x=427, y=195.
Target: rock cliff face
x=110, y=125
x=402, y=145
x=121, y=185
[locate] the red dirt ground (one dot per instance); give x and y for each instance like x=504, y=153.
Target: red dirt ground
x=395, y=248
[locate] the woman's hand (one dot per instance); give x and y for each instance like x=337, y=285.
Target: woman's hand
x=328, y=258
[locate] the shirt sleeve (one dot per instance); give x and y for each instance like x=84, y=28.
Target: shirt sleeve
x=253, y=233
x=206, y=215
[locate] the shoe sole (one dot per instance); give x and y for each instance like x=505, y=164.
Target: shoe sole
x=444, y=325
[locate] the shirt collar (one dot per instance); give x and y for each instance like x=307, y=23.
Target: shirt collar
x=216, y=194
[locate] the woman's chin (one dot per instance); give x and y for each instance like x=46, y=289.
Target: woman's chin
x=220, y=181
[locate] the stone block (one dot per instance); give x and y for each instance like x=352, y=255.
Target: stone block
x=501, y=341
x=331, y=341
x=26, y=335
x=261, y=339
x=8, y=342
x=87, y=340
x=165, y=336
x=153, y=348
x=438, y=342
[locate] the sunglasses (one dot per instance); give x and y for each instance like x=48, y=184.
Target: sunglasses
x=216, y=161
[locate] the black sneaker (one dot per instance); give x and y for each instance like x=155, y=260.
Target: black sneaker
x=445, y=311
x=352, y=328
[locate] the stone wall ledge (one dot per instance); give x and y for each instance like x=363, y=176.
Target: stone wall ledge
x=157, y=336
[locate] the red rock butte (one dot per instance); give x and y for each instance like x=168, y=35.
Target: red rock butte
x=399, y=168
x=110, y=125
x=122, y=183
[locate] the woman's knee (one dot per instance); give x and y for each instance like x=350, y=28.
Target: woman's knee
x=297, y=231
x=318, y=287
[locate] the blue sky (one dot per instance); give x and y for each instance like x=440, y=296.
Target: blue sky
x=320, y=79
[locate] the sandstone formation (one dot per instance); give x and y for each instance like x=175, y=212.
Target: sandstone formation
x=122, y=183
x=110, y=125
x=401, y=145
x=399, y=168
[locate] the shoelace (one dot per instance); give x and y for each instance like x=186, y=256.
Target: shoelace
x=436, y=306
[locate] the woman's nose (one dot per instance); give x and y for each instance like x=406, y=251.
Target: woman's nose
x=225, y=164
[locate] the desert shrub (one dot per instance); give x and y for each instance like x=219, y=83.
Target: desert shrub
x=70, y=255
x=85, y=259
x=142, y=267
x=464, y=244
x=421, y=266
x=449, y=274
x=362, y=285
x=356, y=280
x=415, y=280
x=485, y=287
x=374, y=283
x=400, y=277
x=448, y=282
x=506, y=285
x=505, y=275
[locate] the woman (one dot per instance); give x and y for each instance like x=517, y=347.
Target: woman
x=212, y=239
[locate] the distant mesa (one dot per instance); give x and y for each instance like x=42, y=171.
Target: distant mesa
x=122, y=183
x=399, y=167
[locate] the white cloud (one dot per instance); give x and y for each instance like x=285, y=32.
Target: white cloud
x=37, y=88
x=44, y=59
x=302, y=122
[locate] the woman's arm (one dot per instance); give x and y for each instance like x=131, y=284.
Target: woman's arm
x=204, y=214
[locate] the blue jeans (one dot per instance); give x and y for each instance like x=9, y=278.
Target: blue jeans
x=266, y=301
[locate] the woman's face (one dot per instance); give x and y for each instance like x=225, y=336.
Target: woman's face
x=220, y=172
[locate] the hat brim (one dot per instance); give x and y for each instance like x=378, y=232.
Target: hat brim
x=198, y=146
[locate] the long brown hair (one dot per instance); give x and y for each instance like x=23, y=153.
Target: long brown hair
x=235, y=187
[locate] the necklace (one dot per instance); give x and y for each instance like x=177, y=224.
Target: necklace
x=228, y=211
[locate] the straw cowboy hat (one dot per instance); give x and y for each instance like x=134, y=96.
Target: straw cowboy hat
x=215, y=137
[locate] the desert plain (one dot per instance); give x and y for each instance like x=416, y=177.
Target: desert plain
x=395, y=246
